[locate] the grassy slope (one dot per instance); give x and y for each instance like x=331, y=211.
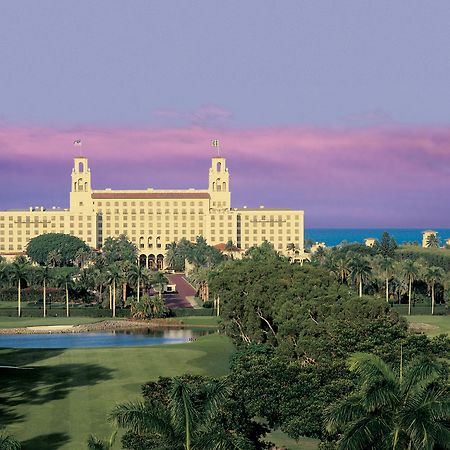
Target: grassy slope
x=441, y=322
x=70, y=392
x=198, y=320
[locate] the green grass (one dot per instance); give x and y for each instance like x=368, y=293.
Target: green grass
x=199, y=320
x=69, y=393
x=441, y=323
x=16, y=322
x=281, y=440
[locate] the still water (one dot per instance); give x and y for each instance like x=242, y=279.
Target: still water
x=117, y=338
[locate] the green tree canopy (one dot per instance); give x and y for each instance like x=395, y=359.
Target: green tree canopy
x=66, y=246
x=119, y=249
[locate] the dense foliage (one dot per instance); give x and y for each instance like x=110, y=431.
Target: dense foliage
x=188, y=412
x=62, y=248
x=119, y=249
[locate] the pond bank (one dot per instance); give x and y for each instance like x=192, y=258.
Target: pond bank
x=104, y=325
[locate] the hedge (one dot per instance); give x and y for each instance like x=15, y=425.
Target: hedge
x=32, y=294
x=185, y=312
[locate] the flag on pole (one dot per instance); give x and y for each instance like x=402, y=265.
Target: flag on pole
x=77, y=143
x=215, y=142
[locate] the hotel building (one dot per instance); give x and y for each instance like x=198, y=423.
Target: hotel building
x=152, y=219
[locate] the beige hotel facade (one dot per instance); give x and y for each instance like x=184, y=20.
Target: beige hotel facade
x=152, y=219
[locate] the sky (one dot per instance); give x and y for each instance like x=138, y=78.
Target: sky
x=341, y=109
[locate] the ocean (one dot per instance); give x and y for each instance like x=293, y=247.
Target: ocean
x=334, y=236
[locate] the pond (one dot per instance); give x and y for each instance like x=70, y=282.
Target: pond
x=116, y=338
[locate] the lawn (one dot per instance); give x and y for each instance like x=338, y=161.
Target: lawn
x=207, y=321
x=282, y=440
x=439, y=324
x=16, y=322
x=69, y=392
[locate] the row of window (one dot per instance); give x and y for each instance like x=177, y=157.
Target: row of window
x=151, y=203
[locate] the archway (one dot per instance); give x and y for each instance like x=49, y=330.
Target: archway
x=160, y=262
x=143, y=260
x=151, y=262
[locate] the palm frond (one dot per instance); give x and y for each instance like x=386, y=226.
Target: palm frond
x=182, y=408
x=8, y=442
x=143, y=418
x=346, y=411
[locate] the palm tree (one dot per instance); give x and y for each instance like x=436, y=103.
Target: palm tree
x=113, y=275
x=410, y=272
x=98, y=444
x=159, y=280
x=342, y=269
x=138, y=275
x=43, y=275
x=82, y=257
x=386, y=265
x=8, y=442
x=359, y=271
x=19, y=272
x=409, y=410
x=182, y=424
x=171, y=255
x=433, y=241
x=54, y=258
x=433, y=275
x=65, y=279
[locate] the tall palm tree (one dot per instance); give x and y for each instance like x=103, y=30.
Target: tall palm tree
x=433, y=275
x=65, y=279
x=182, y=424
x=113, y=275
x=342, y=269
x=409, y=410
x=360, y=271
x=386, y=265
x=171, y=255
x=19, y=271
x=138, y=275
x=410, y=272
x=43, y=276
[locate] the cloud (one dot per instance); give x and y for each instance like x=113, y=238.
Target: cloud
x=373, y=176
x=209, y=115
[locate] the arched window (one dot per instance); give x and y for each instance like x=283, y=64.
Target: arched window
x=224, y=186
x=219, y=166
x=214, y=185
x=141, y=242
x=85, y=186
x=81, y=167
x=149, y=242
x=218, y=186
x=80, y=184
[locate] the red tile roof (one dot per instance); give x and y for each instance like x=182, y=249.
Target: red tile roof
x=141, y=195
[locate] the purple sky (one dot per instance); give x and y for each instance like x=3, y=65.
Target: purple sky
x=342, y=111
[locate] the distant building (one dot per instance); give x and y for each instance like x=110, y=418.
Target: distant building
x=316, y=247
x=370, y=242
x=152, y=218
x=426, y=235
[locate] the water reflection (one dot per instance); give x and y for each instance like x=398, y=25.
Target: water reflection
x=116, y=338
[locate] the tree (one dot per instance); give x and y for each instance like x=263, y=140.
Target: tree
x=119, y=249
x=149, y=307
x=8, y=442
x=19, y=271
x=360, y=271
x=409, y=410
x=433, y=275
x=39, y=248
x=386, y=265
x=433, y=241
x=183, y=413
x=386, y=246
x=43, y=276
x=113, y=275
x=65, y=278
x=410, y=272
x=137, y=275
x=54, y=258
x=159, y=280
x=82, y=257
x=98, y=444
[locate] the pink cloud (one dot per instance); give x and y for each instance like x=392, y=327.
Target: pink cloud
x=378, y=176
